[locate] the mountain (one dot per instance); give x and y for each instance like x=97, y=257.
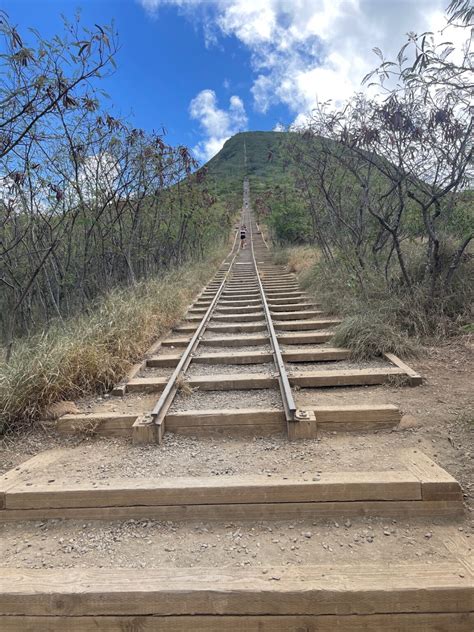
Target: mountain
x=259, y=156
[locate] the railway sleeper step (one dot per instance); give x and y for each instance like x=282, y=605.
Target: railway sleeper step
x=302, y=379
x=254, y=357
x=254, y=421
x=419, y=486
x=394, y=597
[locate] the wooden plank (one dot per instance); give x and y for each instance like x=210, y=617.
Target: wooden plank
x=242, y=357
x=176, y=342
x=37, y=463
x=301, y=325
x=361, y=417
x=120, y=389
x=436, y=483
x=146, y=384
x=304, y=338
x=225, y=417
x=457, y=622
x=344, y=377
x=328, y=354
x=235, y=341
x=269, y=511
x=238, y=328
x=304, y=427
x=109, y=424
x=305, y=314
x=311, y=590
x=414, y=378
x=144, y=431
x=393, y=622
x=242, y=318
x=332, y=487
x=291, y=306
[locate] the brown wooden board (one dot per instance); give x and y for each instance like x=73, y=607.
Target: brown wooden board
x=386, y=588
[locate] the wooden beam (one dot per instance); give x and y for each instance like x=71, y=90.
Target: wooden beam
x=414, y=379
x=436, y=483
x=342, y=377
x=388, y=588
x=331, y=487
x=392, y=622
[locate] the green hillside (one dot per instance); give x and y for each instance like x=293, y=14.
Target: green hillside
x=260, y=156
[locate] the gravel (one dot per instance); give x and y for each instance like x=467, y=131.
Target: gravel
x=151, y=544
x=229, y=369
x=340, y=365
x=105, y=459
x=264, y=398
x=203, y=350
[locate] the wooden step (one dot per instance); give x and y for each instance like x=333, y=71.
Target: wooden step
x=343, y=377
x=240, y=357
x=238, y=317
x=304, y=338
x=384, y=596
x=291, y=307
x=360, y=418
x=297, y=315
x=257, y=489
x=235, y=497
x=236, y=341
x=303, y=325
x=236, y=310
x=237, y=328
x=254, y=420
x=289, y=301
x=253, y=357
x=303, y=379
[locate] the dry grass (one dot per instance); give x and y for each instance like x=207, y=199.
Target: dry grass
x=298, y=259
x=377, y=321
x=92, y=352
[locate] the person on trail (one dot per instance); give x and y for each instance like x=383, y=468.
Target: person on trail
x=243, y=236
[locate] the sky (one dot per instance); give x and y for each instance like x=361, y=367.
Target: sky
x=207, y=69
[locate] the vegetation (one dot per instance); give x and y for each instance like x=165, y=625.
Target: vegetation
x=105, y=230
x=93, y=351
x=383, y=188
x=87, y=202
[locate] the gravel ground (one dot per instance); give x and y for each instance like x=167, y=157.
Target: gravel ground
x=229, y=369
x=265, y=398
x=104, y=459
x=340, y=365
x=156, y=371
x=210, y=335
x=249, y=349
x=152, y=544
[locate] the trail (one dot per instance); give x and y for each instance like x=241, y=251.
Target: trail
x=216, y=499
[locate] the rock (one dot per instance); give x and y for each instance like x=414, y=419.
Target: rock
x=406, y=422
x=58, y=409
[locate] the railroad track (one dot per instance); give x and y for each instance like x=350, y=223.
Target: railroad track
x=248, y=341
x=234, y=365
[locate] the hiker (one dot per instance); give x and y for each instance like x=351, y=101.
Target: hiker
x=243, y=236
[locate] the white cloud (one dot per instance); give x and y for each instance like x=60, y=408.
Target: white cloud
x=308, y=51
x=218, y=125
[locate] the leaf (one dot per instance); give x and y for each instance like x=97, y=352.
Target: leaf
x=378, y=52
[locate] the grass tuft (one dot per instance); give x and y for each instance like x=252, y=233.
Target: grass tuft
x=369, y=335
x=92, y=352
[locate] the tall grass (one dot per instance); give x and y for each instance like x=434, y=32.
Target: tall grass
x=376, y=321
x=91, y=352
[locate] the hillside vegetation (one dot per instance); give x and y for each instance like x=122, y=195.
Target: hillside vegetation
x=382, y=189
x=106, y=231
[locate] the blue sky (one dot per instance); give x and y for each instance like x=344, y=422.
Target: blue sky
x=205, y=69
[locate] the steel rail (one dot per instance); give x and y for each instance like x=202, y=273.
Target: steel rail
x=283, y=381
x=162, y=405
